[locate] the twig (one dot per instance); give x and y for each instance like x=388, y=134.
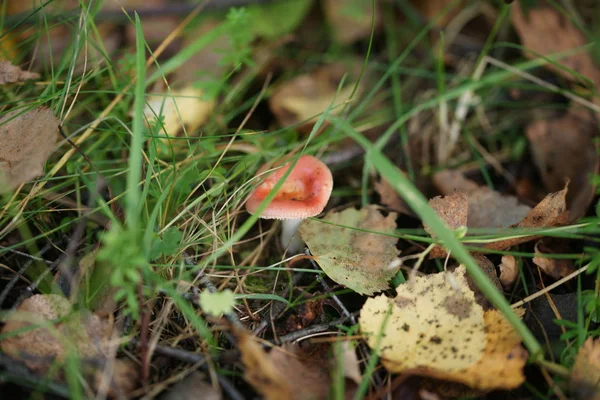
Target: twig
x=277, y=308
x=194, y=358
x=550, y=287
x=20, y=273
x=299, y=334
x=16, y=372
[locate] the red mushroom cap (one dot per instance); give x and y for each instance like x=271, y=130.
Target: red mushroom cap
x=304, y=193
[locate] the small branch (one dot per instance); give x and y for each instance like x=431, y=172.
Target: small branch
x=299, y=334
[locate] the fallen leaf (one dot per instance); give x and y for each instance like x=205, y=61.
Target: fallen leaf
x=10, y=73
x=436, y=329
x=87, y=332
x=487, y=208
x=302, y=99
x=503, y=211
x=585, y=375
x=556, y=268
x=351, y=363
x=453, y=210
x=284, y=373
x=389, y=197
x=350, y=21
x=186, y=107
x=544, y=31
x=26, y=139
x=564, y=151
x=489, y=269
x=43, y=328
x=192, y=387
x=217, y=303
x=509, y=271
x=434, y=9
x=351, y=257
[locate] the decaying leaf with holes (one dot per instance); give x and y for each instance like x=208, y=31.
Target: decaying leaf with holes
x=434, y=328
x=10, y=73
x=42, y=341
x=360, y=260
x=26, y=141
x=585, y=375
x=302, y=99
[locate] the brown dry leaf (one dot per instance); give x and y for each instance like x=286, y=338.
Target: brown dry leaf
x=564, y=151
x=452, y=209
x=545, y=31
x=86, y=332
x=302, y=99
x=192, y=387
x=556, y=268
x=585, y=375
x=487, y=208
x=436, y=329
x=389, y=197
x=489, y=269
x=284, y=373
x=39, y=347
x=360, y=260
x=503, y=210
x=10, y=73
x=350, y=20
x=26, y=141
x=433, y=9
x=509, y=271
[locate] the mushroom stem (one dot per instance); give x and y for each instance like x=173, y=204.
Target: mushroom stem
x=290, y=238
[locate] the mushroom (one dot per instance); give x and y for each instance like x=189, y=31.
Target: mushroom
x=304, y=194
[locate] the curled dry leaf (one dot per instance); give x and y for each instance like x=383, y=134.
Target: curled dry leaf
x=556, y=268
x=38, y=347
x=26, y=141
x=285, y=372
x=354, y=258
x=564, y=151
x=509, y=271
x=435, y=328
x=302, y=99
x=350, y=21
x=545, y=31
x=551, y=211
x=186, y=107
x=10, y=73
x=453, y=210
x=585, y=375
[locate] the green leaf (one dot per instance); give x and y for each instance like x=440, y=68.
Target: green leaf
x=217, y=303
x=355, y=248
x=277, y=18
x=167, y=245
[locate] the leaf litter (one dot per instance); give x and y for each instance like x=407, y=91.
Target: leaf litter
x=435, y=328
x=10, y=73
x=346, y=249
x=27, y=141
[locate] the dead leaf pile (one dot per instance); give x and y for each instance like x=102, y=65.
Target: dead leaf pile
x=294, y=372
x=34, y=337
x=301, y=100
x=435, y=328
x=585, y=375
x=26, y=141
x=350, y=256
x=481, y=207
